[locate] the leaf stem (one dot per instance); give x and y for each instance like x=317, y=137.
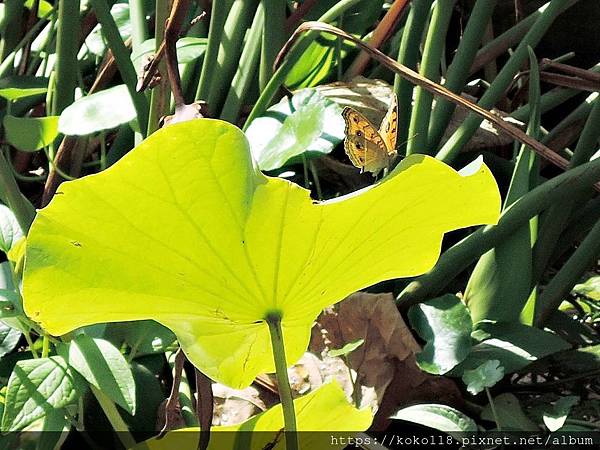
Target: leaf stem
x=493, y=408
x=285, y=392
x=115, y=419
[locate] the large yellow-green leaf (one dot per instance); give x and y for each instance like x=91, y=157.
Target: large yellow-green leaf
x=186, y=231
x=325, y=409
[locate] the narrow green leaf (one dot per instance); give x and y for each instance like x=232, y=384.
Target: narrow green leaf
x=100, y=111
x=29, y=134
x=308, y=122
x=346, y=349
x=445, y=324
x=104, y=367
x=17, y=87
x=439, y=417
x=36, y=387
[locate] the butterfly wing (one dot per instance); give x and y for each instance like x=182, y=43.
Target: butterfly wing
x=363, y=144
x=389, y=127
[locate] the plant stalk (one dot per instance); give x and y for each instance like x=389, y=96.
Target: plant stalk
x=285, y=392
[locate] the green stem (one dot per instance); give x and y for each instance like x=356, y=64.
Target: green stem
x=273, y=38
x=30, y=345
x=218, y=15
x=235, y=28
x=115, y=419
x=505, y=77
x=246, y=70
x=10, y=27
x=551, y=99
x=430, y=68
x=458, y=72
x=461, y=255
x=7, y=64
x=408, y=55
x=283, y=383
x=293, y=56
x=110, y=32
x=567, y=276
x=66, y=55
x=139, y=27
x=509, y=38
x=10, y=193
x=493, y=408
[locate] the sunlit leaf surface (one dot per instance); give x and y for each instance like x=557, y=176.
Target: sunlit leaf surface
x=186, y=231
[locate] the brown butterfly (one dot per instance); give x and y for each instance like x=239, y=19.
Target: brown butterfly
x=368, y=148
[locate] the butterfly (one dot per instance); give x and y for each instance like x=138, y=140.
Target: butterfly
x=368, y=148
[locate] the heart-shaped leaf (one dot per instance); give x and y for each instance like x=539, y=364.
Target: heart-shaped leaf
x=308, y=122
x=100, y=111
x=445, y=323
x=325, y=409
x=29, y=134
x=186, y=231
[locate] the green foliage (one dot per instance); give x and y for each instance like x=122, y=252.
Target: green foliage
x=32, y=133
x=446, y=325
x=306, y=123
x=184, y=242
x=484, y=376
x=103, y=366
x=37, y=387
x=240, y=207
x=439, y=417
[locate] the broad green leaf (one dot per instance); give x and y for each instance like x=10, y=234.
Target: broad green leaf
x=143, y=337
x=10, y=230
x=513, y=344
x=445, y=324
x=484, y=376
x=9, y=338
x=509, y=413
x=104, y=367
x=189, y=233
x=556, y=414
x=95, y=41
x=100, y=111
x=16, y=87
x=308, y=122
x=29, y=134
x=325, y=409
x=438, y=417
x=346, y=349
x=188, y=50
x=36, y=388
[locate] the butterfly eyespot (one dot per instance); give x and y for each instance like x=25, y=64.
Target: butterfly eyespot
x=359, y=133
x=355, y=119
